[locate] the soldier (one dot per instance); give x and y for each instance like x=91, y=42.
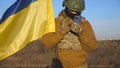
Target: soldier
x=74, y=36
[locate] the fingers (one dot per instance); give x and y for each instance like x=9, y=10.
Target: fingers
x=76, y=28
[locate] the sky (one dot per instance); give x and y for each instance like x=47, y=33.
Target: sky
x=103, y=15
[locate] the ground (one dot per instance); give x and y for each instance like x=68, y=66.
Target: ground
x=35, y=55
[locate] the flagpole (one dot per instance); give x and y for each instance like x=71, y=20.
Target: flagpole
x=57, y=57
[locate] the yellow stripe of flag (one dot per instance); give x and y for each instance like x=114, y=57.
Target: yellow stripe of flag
x=25, y=26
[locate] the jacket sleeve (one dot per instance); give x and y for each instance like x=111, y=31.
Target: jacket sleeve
x=87, y=37
x=53, y=38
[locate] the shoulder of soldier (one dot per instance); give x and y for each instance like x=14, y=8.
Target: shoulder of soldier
x=59, y=18
x=85, y=21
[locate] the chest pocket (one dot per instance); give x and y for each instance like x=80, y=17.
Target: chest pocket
x=70, y=41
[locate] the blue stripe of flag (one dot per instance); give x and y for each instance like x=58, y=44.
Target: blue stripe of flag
x=16, y=7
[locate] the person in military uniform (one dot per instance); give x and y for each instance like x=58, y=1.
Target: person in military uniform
x=74, y=37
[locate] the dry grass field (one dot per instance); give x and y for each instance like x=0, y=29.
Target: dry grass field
x=107, y=55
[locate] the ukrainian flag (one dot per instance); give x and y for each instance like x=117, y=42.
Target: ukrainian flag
x=23, y=22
